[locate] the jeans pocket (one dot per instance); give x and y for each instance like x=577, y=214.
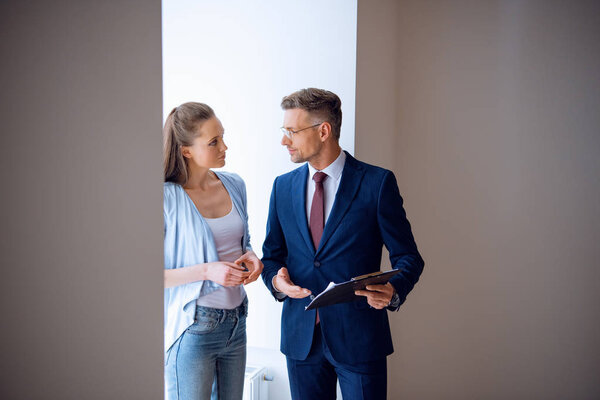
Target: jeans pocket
x=205, y=322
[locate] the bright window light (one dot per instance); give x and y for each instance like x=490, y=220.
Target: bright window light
x=241, y=58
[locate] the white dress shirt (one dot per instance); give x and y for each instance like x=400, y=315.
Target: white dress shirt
x=330, y=184
x=330, y=187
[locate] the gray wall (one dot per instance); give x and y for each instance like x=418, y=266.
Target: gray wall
x=488, y=112
x=81, y=248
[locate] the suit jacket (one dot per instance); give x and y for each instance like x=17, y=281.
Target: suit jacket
x=367, y=213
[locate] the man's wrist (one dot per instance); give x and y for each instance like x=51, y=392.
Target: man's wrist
x=394, y=301
x=273, y=284
x=279, y=295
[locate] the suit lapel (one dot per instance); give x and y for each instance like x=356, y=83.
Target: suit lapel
x=350, y=182
x=299, y=206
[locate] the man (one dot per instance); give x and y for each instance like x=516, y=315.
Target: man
x=328, y=221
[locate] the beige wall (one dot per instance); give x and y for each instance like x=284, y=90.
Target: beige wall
x=488, y=112
x=81, y=248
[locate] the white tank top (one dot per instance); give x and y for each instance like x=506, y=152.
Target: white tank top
x=228, y=232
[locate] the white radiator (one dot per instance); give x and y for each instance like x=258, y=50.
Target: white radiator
x=256, y=385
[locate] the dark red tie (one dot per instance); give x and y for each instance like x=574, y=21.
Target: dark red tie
x=317, y=214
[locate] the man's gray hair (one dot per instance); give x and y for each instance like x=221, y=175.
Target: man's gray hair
x=319, y=103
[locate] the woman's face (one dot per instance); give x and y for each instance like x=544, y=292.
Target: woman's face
x=208, y=148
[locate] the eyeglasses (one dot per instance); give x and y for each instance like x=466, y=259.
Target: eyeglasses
x=289, y=132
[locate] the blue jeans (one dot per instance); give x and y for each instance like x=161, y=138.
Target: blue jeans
x=209, y=360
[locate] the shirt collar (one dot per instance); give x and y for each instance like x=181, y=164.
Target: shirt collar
x=333, y=170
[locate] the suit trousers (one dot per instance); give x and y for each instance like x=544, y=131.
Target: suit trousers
x=315, y=377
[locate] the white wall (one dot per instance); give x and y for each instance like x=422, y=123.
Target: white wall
x=241, y=58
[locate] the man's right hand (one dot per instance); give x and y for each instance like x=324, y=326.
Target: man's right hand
x=284, y=284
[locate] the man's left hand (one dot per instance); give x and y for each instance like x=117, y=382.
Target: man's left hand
x=378, y=296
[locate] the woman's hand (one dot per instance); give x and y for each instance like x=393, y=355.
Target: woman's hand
x=253, y=263
x=226, y=273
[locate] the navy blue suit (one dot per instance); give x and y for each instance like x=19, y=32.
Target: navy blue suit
x=367, y=213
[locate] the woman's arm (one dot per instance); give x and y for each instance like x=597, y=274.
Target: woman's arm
x=223, y=273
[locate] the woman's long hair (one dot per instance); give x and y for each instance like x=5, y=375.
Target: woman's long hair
x=180, y=130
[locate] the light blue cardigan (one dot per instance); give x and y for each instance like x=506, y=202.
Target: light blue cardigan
x=189, y=241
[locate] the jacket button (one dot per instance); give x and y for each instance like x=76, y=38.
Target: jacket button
x=312, y=296
x=317, y=264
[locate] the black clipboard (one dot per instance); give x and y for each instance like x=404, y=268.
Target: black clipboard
x=344, y=292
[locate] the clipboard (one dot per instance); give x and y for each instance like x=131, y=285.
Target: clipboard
x=344, y=292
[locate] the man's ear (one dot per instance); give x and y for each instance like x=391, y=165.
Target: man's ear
x=325, y=131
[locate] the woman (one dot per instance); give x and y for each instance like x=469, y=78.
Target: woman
x=208, y=259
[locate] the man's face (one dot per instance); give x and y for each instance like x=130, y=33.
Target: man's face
x=303, y=145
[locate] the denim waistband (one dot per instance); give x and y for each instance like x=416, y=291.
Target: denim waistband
x=222, y=314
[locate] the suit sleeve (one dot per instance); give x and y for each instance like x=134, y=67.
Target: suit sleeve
x=398, y=238
x=274, y=247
